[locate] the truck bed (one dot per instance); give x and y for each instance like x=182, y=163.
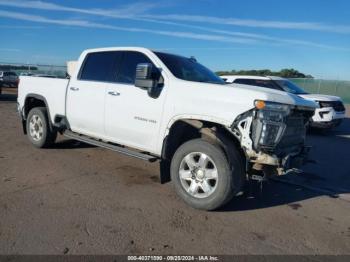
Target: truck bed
x=53, y=90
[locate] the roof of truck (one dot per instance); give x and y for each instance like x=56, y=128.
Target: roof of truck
x=121, y=48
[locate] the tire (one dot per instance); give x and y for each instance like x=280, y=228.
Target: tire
x=38, y=128
x=193, y=169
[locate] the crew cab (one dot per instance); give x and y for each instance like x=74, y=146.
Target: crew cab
x=210, y=138
x=330, y=113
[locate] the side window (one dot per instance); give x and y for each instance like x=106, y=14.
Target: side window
x=100, y=66
x=127, y=70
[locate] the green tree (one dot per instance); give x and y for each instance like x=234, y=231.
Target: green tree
x=286, y=72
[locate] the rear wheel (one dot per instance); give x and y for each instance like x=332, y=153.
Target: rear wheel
x=38, y=128
x=202, y=175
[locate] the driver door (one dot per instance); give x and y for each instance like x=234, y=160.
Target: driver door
x=132, y=117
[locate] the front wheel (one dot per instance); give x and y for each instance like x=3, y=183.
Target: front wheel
x=202, y=174
x=38, y=128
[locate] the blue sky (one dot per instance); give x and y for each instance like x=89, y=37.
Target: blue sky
x=312, y=36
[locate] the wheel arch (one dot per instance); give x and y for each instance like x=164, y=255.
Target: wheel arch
x=185, y=129
x=31, y=101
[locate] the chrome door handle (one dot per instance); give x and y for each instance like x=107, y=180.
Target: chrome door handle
x=113, y=93
x=74, y=88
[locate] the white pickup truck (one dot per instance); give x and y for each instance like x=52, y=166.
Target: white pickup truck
x=210, y=138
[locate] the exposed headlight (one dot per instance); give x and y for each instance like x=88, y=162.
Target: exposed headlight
x=269, y=126
x=269, y=115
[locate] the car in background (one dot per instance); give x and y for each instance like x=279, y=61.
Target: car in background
x=8, y=79
x=331, y=109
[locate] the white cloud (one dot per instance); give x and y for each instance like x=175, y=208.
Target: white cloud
x=134, y=8
x=254, y=23
x=88, y=24
x=20, y=27
x=9, y=50
x=136, y=11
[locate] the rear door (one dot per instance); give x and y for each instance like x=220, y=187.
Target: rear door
x=86, y=94
x=132, y=117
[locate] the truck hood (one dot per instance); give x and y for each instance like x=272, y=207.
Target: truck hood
x=273, y=95
x=319, y=97
x=224, y=103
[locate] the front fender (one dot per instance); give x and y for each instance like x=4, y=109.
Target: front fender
x=211, y=119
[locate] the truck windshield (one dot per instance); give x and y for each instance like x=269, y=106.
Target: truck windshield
x=290, y=87
x=188, y=69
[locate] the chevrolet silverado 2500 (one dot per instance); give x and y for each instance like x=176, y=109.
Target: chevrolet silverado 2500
x=209, y=137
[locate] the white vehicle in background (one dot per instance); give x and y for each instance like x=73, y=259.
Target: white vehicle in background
x=152, y=105
x=331, y=109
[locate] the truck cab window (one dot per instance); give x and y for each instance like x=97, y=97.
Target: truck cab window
x=189, y=69
x=100, y=66
x=127, y=71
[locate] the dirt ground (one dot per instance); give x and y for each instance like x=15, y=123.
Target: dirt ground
x=79, y=199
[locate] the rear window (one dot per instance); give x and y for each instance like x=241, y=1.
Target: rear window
x=257, y=82
x=100, y=66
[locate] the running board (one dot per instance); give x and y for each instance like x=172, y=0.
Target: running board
x=116, y=148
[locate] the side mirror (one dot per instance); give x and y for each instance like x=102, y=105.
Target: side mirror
x=147, y=77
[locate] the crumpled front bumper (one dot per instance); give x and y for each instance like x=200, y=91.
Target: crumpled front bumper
x=282, y=165
x=297, y=160
x=288, y=149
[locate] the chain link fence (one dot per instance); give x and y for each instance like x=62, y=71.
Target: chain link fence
x=327, y=87
x=58, y=71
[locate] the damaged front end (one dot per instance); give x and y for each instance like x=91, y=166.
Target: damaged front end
x=272, y=136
